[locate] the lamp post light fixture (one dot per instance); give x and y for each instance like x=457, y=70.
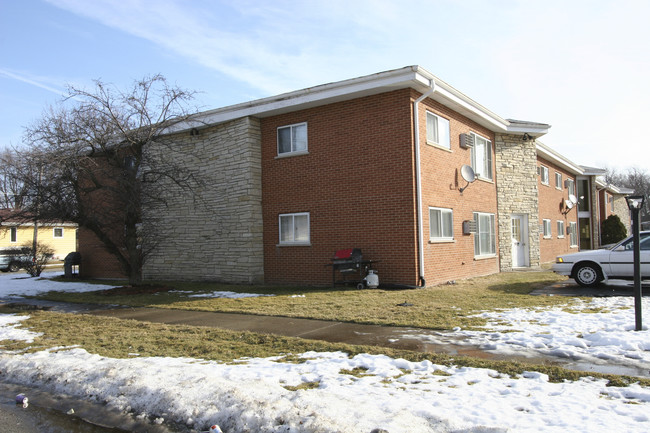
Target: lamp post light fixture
x=635, y=204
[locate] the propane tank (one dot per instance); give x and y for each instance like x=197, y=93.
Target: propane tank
x=372, y=280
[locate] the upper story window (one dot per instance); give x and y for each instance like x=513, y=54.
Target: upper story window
x=584, y=194
x=543, y=173
x=57, y=232
x=294, y=228
x=558, y=180
x=482, y=157
x=571, y=186
x=292, y=139
x=441, y=224
x=438, y=130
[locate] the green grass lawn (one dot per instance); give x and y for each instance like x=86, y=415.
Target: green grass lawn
x=439, y=307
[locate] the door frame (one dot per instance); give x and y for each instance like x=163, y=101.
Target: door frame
x=521, y=249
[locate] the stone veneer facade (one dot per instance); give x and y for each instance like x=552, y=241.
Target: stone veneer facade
x=517, y=193
x=218, y=235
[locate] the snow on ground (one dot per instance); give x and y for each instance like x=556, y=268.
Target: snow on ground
x=600, y=331
x=18, y=284
x=255, y=395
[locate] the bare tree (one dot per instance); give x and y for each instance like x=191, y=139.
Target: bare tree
x=91, y=163
x=13, y=191
x=636, y=179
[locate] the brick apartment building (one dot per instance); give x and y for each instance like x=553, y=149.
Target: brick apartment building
x=374, y=163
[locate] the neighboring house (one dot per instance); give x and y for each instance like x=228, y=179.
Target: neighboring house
x=18, y=231
x=611, y=201
x=373, y=163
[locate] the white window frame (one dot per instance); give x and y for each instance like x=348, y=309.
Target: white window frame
x=546, y=228
x=573, y=234
x=558, y=180
x=438, y=131
x=444, y=235
x=480, y=249
x=483, y=145
x=13, y=235
x=543, y=173
x=54, y=232
x=290, y=239
x=571, y=186
x=294, y=149
x=560, y=229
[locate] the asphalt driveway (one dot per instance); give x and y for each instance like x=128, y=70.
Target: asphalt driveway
x=611, y=288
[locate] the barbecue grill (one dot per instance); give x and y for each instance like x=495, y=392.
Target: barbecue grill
x=350, y=262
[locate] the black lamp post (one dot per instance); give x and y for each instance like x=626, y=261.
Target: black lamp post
x=635, y=203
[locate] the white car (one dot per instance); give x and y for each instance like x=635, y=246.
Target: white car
x=591, y=267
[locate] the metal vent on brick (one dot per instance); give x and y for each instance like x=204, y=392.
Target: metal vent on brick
x=466, y=141
x=469, y=226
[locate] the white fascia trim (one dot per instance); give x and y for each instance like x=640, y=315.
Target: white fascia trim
x=455, y=99
x=549, y=154
x=414, y=77
x=614, y=189
x=315, y=96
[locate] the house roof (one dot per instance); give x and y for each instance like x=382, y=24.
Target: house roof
x=593, y=171
x=414, y=77
x=614, y=189
x=551, y=155
x=13, y=217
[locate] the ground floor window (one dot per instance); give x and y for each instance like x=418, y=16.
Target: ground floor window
x=573, y=234
x=560, y=229
x=546, y=228
x=58, y=232
x=294, y=228
x=441, y=224
x=485, y=236
x=13, y=235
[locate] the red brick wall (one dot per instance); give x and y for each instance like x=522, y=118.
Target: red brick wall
x=356, y=182
x=441, y=181
x=604, y=204
x=96, y=262
x=551, y=206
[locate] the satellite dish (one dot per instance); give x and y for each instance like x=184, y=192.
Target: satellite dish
x=569, y=204
x=573, y=199
x=468, y=174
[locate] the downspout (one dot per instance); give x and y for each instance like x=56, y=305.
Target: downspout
x=418, y=178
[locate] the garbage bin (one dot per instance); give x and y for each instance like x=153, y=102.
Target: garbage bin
x=72, y=259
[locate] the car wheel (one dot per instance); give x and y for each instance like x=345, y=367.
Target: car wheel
x=13, y=267
x=588, y=275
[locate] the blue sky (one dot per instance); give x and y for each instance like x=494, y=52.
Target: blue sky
x=581, y=66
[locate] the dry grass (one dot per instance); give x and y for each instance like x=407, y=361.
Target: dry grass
x=440, y=307
x=117, y=338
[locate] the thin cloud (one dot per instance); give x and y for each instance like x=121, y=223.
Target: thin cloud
x=32, y=81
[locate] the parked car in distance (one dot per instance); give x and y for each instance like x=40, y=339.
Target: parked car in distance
x=591, y=267
x=12, y=259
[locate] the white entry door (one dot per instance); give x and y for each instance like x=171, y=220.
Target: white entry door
x=519, y=241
